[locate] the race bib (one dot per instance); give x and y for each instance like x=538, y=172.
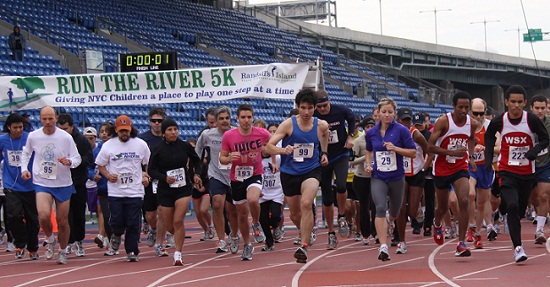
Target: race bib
x=14, y=157
x=179, y=174
x=386, y=161
x=453, y=159
x=303, y=150
x=48, y=170
x=333, y=137
x=243, y=172
x=478, y=156
x=271, y=181
x=516, y=156
x=125, y=179
x=408, y=165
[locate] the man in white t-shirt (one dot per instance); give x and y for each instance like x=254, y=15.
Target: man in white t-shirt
x=55, y=154
x=120, y=161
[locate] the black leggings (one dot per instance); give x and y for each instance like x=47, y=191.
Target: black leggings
x=361, y=185
x=270, y=216
x=515, y=191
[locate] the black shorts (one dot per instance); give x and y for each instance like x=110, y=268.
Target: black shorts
x=102, y=193
x=197, y=194
x=292, y=184
x=167, y=198
x=416, y=180
x=239, y=189
x=444, y=182
x=150, y=202
x=351, y=191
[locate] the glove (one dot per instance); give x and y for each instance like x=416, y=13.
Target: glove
x=531, y=154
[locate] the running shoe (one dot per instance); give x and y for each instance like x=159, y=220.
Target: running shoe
x=539, y=237
x=111, y=252
x=268, y=248
x=61, y=257
x=19, y=253
x=383, y=254
x=177, y=259
x=211, y=233
x=106, y=242
x=50, y=249
x=151, y=237
x=478, y=244
x=34, y=255
x=277, y=235
x=366, y=240
x=427, y=231
x=145, y=228
x=462, y=250
x=358, y=237
x=313, y=236
x=519, y=254
x=401, y=248
x=115, y=242
x=2, y=236
x=204, y=236
x=259, y=235
x=69, y=249
x=491, y=233
x=160, y=251
x=99, y=241
x=301, y=255
x=222, y=247
x=10, y=247
x=234, y=245
x=439, y=234
x=332, y=241
x=470, y=234
x=132, y=257
x=449, y=232
x=170, y=241
x=247, y=252
x=79, y=249
x=343, y=227
x=298, y=240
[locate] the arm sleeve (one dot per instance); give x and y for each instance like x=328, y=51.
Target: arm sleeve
x=537, y=126
x=407, y=139
x=26, y=156
x=153, y=166
x=490, y=138
x=194, y=159
x=350, y=119
x=73, y=154
x=368, y=142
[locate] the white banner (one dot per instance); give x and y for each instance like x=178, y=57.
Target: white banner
x=279, y=81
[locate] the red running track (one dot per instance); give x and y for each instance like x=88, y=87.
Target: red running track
x=352, y=264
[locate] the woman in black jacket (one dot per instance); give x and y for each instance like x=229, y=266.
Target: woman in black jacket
x=169, y=165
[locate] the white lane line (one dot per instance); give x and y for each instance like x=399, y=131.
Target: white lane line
x=431, y=264
x=494, y=267
x=391, y=264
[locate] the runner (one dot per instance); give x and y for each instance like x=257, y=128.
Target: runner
x=481, y=181
x=340, y=141
x=55, y=154
x=516, y=161
x=387, y=144
x=451, y=142
x=20, y=205
x=304, y=143
x=541, y=192
x=414, y=179
x=242, y=148
x=120, y=161
x=170, y=163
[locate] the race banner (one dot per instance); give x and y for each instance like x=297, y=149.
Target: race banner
x=278, y=81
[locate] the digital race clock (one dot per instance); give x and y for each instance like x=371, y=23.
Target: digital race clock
x=151, y=61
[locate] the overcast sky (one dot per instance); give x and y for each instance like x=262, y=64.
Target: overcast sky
x=402, y=18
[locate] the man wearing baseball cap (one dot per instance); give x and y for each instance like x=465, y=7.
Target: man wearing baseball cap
x=120, y=161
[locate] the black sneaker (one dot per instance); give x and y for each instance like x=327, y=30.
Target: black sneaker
x=427, y=231
x=301, y=255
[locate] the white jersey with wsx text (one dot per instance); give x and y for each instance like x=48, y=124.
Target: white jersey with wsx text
x=125, y=160
x=47, y=171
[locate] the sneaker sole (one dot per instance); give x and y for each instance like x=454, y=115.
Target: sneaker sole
x=99, y=242
x=220, y=250
x=521, y=259
x=178, y=263
x=300, y=257
x=383, y=257
x=540, y=240
x=464, y=253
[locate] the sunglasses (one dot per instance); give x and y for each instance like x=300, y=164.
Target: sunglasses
x=157, y=121
x=478, y=114
x=322, y=106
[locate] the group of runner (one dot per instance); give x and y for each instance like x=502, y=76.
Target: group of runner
x=391, y=161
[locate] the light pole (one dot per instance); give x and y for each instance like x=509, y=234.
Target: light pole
x=484, y=22
x=435, y=17
x=519, y=38
x=380, y=9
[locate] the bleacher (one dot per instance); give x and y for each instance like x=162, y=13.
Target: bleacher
x=179, y=25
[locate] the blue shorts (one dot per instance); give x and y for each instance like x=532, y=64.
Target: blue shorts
x=61, y=194
x=483, y=178
x=219, y=188
x=542, y=173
